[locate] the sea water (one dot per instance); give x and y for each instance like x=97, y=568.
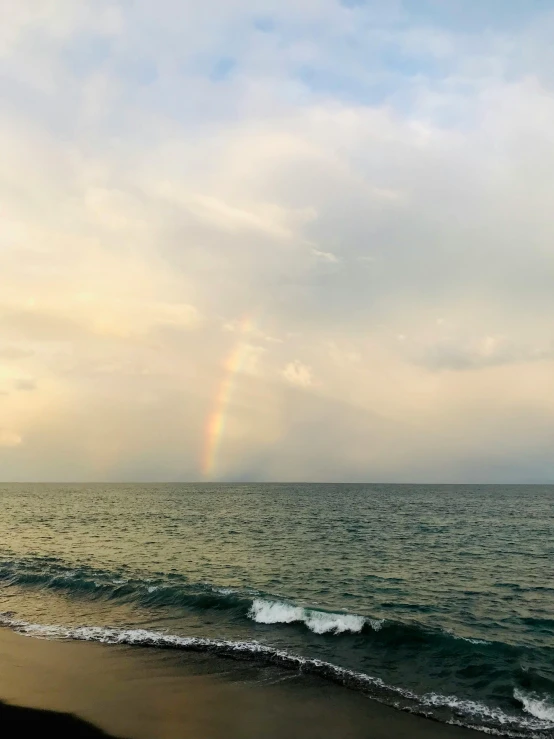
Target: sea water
x=435, y=599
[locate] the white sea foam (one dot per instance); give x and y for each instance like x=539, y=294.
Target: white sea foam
x=320, y=622
x=376, y=623
x=469, y=639
x=146, y=637
x=274, y=612
x=541, y=708
x=339, y=623
x=542, y=714
x=542, y=711
x=225, y=591
x=467, y=707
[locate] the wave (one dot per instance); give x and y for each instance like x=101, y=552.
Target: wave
x=160, y=589
x=338, y=636
x=541, y=708
x=178, y=592
x=467, y=713
x=174, y=591
x=320, y=622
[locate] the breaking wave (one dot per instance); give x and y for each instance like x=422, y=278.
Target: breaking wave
x=178, y=592
x=320, y=622
x=245, y=615
x=541, y=708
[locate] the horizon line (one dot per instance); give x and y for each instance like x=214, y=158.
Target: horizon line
x=258, y=482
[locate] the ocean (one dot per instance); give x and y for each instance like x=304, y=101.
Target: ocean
x=438, y=600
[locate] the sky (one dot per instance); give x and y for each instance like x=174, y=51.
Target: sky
x=303, y=240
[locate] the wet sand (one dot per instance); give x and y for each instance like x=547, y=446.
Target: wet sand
x=145, y=693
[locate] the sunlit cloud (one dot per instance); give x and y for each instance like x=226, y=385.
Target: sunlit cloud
x=314, y=243
x=298, y=374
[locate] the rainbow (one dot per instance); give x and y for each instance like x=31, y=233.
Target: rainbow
x=215, y=424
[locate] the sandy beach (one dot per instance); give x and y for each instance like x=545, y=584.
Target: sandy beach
x=155, y=694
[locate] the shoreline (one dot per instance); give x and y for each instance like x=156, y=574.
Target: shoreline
x=148, y=693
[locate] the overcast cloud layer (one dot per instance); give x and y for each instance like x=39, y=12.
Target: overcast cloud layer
x=326, y=228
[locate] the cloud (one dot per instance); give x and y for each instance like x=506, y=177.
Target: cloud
x=326, y=256
x=298, y=374
x=185, y=185
x=479, y=352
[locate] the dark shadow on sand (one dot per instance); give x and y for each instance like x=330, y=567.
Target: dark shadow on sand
x=16, y=721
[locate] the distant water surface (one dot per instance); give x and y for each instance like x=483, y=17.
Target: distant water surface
x=435, y=599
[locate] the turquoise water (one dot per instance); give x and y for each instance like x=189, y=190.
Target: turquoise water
x=435, y=599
